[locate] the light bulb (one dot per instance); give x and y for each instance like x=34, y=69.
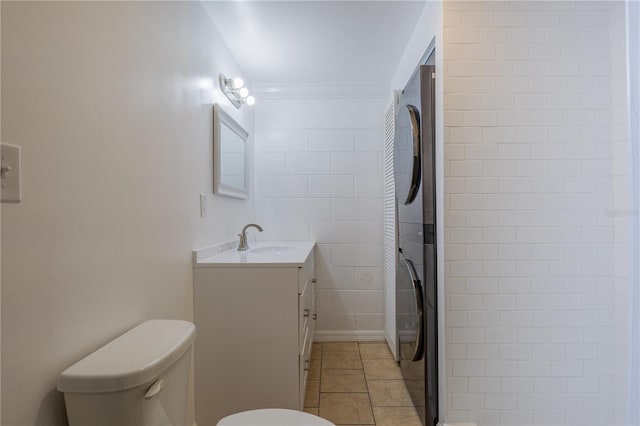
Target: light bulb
x=251, y=100
x=244, y=92
x=237, y=83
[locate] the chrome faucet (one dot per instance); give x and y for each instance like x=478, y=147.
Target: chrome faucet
x=243, y=245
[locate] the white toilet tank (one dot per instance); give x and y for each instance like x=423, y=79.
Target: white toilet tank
x=139, y=379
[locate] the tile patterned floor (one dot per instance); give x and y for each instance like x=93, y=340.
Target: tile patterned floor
x=358, y=384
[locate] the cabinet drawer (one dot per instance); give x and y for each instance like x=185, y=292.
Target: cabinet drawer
x=306, y=309
x=314, y=316
x=305, y=363
x=307, y=272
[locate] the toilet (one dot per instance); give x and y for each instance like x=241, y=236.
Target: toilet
x=273, y=417
x=141, y=379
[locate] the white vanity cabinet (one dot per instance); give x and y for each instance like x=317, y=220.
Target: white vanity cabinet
x=255, y=325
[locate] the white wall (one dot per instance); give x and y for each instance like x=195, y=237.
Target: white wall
x=107, y=102
x=0, y=235
x=529, y=192
x=428, y=27
x=632, y=12
x=621, y=212
x=319, y=177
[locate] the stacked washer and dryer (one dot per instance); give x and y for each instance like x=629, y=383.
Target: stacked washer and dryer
x=414, y=175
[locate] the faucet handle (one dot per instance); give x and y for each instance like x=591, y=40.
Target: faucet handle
x=242, y=244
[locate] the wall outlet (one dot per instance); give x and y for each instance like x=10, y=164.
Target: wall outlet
x=10, y=173
x=203, y=205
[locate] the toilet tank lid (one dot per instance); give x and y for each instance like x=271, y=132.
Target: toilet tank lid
x=136, y=357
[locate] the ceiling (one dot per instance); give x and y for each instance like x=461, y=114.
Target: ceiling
x=284, y=44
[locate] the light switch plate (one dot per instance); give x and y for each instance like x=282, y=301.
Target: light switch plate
x=10, y=173
x=203, y=205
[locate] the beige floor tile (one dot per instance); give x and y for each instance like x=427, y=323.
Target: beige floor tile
x=316, y=351
x=311, y=410
x=343, y=381
x=346, y=408
x=375, y=351
x=340, y=360
x=381, y=369
x=389, y=393
x=314, y=369
x=312, y=393
x=396, y=416
x=340, y=347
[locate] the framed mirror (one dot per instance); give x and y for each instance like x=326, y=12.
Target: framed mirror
x=229, y=155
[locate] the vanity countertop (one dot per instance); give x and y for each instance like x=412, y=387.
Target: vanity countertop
x=260, y=255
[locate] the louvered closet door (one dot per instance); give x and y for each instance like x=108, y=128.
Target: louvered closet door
x=390, y=233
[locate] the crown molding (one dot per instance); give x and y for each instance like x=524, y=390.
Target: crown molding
x=321, y=91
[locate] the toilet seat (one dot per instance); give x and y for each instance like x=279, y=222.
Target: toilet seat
x=273, y=417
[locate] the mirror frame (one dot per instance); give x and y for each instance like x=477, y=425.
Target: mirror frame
x=220, y=117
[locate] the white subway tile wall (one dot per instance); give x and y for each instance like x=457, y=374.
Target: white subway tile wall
x=319, y=177
x=622, y=214
x=533, y=149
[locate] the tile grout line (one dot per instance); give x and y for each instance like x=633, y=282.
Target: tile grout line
x=366, y=381
x=320, y=378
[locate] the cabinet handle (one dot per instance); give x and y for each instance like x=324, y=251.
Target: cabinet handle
x=314, y=280
x=315, y=316
x=306, y=313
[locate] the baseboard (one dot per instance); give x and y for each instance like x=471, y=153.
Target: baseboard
x=393, y=345
x=457, y=424
x=349, y=336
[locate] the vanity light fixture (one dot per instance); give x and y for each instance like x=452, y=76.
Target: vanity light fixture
x=234, y=89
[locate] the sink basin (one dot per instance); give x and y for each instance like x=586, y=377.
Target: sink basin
x=273, y=250
x=260, y=254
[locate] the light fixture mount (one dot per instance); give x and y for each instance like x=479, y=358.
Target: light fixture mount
x=234, y=90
